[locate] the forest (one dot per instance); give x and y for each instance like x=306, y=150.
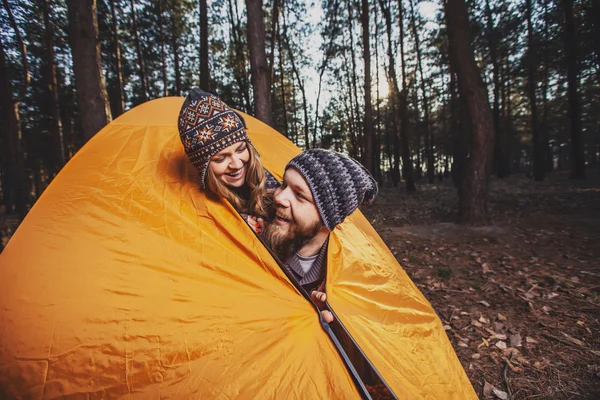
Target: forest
x=417, y=91
x=479, y=119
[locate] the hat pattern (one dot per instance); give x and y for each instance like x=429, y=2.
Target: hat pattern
x=338, y=183
x=206, y=126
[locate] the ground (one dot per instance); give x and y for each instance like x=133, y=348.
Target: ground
x=519, y=298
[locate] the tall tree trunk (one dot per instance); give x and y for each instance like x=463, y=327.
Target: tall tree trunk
x=283, y=94
x=428, y=133
x=503, y=134
x=405, y=128
x=89, y=81
x=545, y=128
x=368, y=122
x=14, y=179
x=259, y=70
x=239, y=71
x=493, y=44
x=577, y=141
x=175, y=33
x=473, y=190
x=56, y=123
x=354, y=86
x=377, y=140
x=163, y=61
x=204, y=70
x=332, y=17
x=119, y=98
x=539, y=152
x=300, y=84
x=395, y=95
x=274, y=35
x=138, y=50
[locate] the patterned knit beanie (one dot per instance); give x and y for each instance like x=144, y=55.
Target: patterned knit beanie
x=206, y=126
x=338, y=183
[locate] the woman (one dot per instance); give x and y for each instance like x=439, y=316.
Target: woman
x=215, y=140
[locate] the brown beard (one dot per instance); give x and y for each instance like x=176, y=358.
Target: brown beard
x=284, y=242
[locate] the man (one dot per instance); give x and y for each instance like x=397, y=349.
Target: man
x=320, y=189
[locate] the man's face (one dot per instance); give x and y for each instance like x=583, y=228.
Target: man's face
x=296, y=218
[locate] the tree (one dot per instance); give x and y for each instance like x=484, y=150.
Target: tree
x=577, y=142
x=204, y=71
x=539, y=152
x=85, y=47
x=368, y=122
x=139, y=53
x=118, y=96
x=472, y=192
x=14, y=179
x=56, y=124
x=259, y=70
x=428, y=134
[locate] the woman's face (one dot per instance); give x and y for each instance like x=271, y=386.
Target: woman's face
x=229, y=165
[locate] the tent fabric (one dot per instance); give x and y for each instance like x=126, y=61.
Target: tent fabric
x=124, y=280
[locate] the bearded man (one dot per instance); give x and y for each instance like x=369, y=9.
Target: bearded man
x=320, y=189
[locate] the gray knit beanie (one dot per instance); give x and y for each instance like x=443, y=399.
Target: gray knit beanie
x=206, y=126
x=339, y=184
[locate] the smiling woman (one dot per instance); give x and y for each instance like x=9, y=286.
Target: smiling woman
x=215, y=140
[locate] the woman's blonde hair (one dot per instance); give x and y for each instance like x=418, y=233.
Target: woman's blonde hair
x=259, y=198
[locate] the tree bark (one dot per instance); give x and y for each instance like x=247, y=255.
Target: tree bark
x=14, y=179
x=55, y=124
x=204, y=70
x=473, y=189
x=356, y=110
x=175, y=33
x=239, y=71
x=161, y=37
x=503, y=134
x=89, y=81
x=119, y=103
x=259, y=70
x=539, y=152
x=300, y=85
x=138, y=50
x=428, y=134
x=405, y=128
x=492, y=36
x=574, y=113
x=368, y=122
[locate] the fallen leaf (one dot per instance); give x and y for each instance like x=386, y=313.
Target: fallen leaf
x=515, y=340
x=485, y=303
x=546, y=309
x=476, y=356
x=463, y=344
x=488, y=389
x=501, y=317
x=476, y=323
x=580, y=323
x=552, y=295
x=501, y=345
x=573, y=340
x=464, y=313
x=500, y=394
x=530, y=340
x=447, y=327
x=484, y=320
x=485, y=268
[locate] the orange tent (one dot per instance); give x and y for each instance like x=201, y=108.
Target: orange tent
x=125, y=281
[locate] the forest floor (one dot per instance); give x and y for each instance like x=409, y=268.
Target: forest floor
x=520, y=298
